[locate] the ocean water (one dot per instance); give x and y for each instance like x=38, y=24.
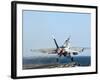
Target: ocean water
x=82, y=60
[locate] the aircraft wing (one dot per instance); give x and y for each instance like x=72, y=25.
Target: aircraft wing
x=79, y=49
x=47, y=50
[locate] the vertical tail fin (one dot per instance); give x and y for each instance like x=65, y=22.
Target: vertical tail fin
x=55, y=41
x=66, y=43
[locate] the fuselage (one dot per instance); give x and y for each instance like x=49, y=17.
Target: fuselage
x=66, y=51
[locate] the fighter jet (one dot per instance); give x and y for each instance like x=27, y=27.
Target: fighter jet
x=64, y=50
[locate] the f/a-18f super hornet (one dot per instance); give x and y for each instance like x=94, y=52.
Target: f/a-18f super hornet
x=64, y=50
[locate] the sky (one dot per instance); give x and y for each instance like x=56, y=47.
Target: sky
x=39, y=26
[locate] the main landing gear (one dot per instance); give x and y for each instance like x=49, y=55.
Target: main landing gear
x=71, y=59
